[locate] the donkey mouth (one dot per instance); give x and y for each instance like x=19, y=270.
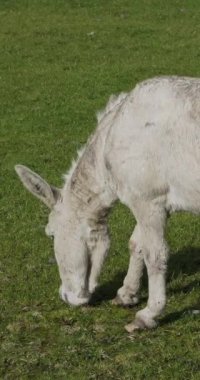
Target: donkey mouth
x=72, y=299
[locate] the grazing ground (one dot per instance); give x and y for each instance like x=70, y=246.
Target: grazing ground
x=59, y=62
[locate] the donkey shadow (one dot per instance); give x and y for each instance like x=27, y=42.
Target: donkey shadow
x=186, y=261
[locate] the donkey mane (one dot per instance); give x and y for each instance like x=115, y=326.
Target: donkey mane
x=67, y=176
x=114, y=101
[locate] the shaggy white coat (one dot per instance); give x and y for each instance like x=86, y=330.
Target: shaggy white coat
x=146, y=153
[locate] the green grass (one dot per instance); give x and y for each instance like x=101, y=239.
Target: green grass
x=59, y=62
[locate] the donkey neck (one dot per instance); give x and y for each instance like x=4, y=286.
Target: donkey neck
x=89, y=187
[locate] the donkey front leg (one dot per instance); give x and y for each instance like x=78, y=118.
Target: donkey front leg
x=128, y=293
x=155, y=257
x=98, y=245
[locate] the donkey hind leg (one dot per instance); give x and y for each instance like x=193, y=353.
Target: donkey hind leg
x=128, y=293
x=155, y=257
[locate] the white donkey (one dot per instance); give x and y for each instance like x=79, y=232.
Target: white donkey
x=146, y=153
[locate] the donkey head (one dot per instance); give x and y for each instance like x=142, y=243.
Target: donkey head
x=69, y=237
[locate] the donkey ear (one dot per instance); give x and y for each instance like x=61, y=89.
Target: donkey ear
x=38, y=186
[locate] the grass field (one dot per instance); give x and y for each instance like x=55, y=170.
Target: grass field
x=60, y=60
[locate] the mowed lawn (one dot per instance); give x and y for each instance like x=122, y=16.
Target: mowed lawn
x=60, y=60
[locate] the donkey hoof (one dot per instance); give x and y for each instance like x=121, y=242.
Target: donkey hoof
x=140, y=324
x=131, y=327
x=117, y=301
x=126, y=301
